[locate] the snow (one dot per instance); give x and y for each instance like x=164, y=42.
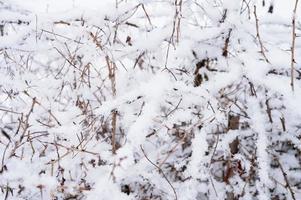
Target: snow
x=193, y=116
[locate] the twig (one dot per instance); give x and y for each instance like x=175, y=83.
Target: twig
x=36, y=28
x=10, y=111
x=26, y=124
x=138, y=58
x=175, y=29
x=177, y=106
x=114, y=119
x=293, y=44
x=146, y=14
x=160, y=171
x=179, y=20
x=214, y=150
x=112, y=68
x=43, y=30
x=287, y=185
x=258, y=36
x=242, y=10
x=173, y=150
x=213, y=186
x=3, y=157
x=226, y=45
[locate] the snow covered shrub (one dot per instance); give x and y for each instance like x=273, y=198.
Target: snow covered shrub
x=183, y=99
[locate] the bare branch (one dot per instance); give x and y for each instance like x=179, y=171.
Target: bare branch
x=293, y=44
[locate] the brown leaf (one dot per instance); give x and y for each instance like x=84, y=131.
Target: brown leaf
x=233, y=122
x=234, y=146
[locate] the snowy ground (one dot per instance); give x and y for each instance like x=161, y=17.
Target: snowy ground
x=184, y=99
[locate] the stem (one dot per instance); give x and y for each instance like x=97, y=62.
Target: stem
x=293, y=44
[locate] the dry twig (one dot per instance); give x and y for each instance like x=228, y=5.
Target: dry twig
x=287, y=185
x=160, y=171
x=112, y=68
x=293, y=44
x=259, y=38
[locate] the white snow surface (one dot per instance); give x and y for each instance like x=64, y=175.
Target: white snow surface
x=199, y=105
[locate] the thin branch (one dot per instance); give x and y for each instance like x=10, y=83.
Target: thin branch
x=67, y=38
x=173, y=149
x=38, y=103
x=2, y=160
x=177, y=106
x=258, y=37
x=160, y=171
x=114, y=119
x=146, y=14
x=287, y=185
x=112, y=75
x=293, y=44
x=10, y=111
